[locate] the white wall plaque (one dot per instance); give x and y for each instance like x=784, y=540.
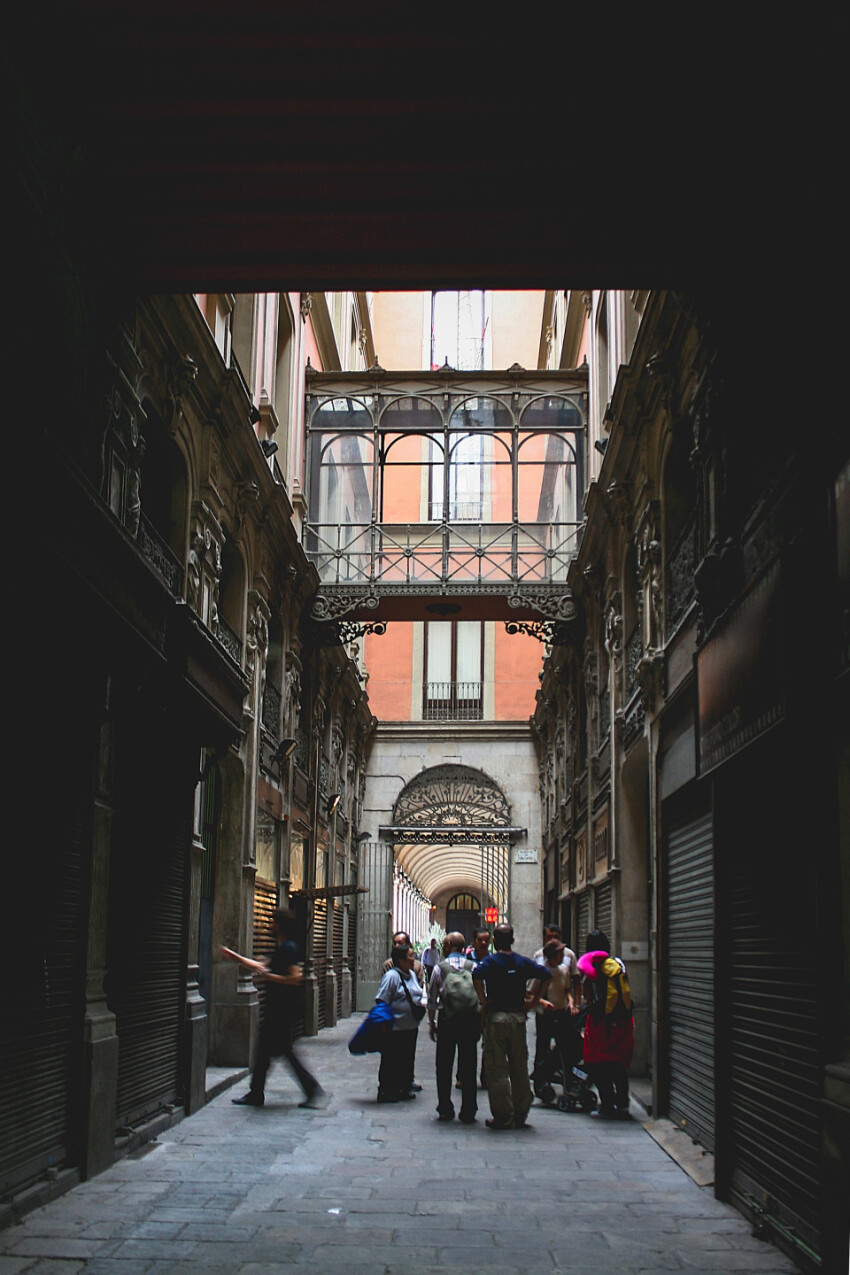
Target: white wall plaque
x=525, y=856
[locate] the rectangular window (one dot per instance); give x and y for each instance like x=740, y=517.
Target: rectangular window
x=453, y=689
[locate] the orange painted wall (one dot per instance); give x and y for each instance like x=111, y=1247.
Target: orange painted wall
x=518, y=660
x=397, y=324
x=389, y=660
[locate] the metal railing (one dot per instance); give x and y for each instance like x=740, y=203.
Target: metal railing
x=452, y=702
x=159, y=556
x=231, y=641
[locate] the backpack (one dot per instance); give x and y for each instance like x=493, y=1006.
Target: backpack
x=610, y=994
x=458, y=995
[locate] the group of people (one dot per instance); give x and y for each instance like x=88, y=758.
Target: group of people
x=470, y=993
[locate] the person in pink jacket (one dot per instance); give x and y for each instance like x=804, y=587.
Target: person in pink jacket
x=609, y=1031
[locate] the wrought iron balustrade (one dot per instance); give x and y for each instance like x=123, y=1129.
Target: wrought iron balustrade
x=634, y=650
x=159, y=556
x=452, y=702
x=444, y=482
x=681, y=589
x=231, y=641
x=271, y=710
x=302, y=752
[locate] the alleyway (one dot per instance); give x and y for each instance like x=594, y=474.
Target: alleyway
x=378, y=1189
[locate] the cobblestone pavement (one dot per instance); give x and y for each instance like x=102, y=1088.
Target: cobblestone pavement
x=367, y=1188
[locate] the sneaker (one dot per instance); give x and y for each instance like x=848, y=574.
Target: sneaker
x=494, y=1124
x=317, y=1101
x=388, y=1097
x=602, y=1113
x=249, y=1100
x=414, y=1088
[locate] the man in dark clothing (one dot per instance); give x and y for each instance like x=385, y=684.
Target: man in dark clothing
x=282, y=976
x=500, y=980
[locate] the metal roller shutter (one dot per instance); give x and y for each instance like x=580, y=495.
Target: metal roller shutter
x=337, y=951
x=320, y=960
x=42, y=1011
x=690, y=970
x=582, y=921
x=352, y=949
x=146, y=961
x=774, y=1047
x=265, y=902
x=604, y=908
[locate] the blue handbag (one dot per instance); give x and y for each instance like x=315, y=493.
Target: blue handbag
x=367, y=1039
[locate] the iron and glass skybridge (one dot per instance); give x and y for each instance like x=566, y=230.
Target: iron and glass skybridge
x=445, y=493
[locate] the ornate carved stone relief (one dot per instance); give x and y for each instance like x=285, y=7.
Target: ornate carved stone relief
x=292, y=695
x=180, y=378
x=614, y=631
x=204, y=565
x=257, y=641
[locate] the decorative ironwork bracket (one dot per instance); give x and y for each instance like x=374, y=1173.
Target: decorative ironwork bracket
x=342, y=632
x=550, y=632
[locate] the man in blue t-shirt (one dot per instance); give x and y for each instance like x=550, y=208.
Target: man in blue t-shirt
x=500, y=980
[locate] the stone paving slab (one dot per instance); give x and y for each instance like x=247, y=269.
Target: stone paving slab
x=385, y=1190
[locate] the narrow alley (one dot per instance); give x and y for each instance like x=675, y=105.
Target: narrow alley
x=372, y=1189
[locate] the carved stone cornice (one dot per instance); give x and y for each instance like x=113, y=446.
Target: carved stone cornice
x=651, y=676
x=245, y=496
x=661, y=368
x=181, y=377
x=257, y=639
x=619, y=500
x=614, y=629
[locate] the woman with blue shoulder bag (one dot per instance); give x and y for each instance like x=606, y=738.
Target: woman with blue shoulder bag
x=401, y=990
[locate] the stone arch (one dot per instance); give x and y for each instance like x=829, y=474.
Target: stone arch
x=459, y=810
x=448, y=795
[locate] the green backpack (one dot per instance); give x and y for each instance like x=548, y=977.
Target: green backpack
x=458, y=995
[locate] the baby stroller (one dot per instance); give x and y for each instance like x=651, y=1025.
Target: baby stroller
x=560, y=1080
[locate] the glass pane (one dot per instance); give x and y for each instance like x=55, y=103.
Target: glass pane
x=439, y=653
x=469, y=655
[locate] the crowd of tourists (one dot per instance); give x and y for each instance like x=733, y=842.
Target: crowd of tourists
x=471, y=993
x=484, y=992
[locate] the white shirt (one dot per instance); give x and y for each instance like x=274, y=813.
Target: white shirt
x=569, y=963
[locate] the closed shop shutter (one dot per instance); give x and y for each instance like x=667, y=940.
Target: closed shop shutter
x=320, y=961
x=40, y=1039
x=146, y=949
x=148, y=1001
x=352, y=949
x=338, y=950
x=690, y=966
x=582, y=921
x=604, y=918
x=265, y=902
x=774, y=1047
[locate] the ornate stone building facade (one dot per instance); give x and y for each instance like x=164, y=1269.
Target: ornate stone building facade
x=690, y=788
x=215, y=738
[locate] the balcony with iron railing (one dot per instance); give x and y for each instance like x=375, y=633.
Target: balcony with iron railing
x=159, y=556
x=681, y=568
x=231, y=641
x=433, y=485
x=452, y=702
